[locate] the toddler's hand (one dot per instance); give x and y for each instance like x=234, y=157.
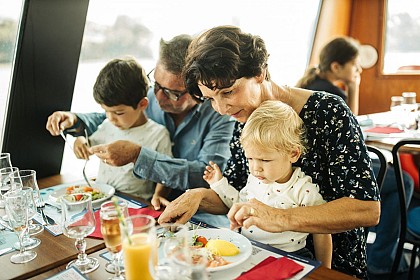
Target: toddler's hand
x=81, y=149
x=212, y=174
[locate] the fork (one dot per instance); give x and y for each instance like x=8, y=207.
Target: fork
x=84, y=167
x=40, y=206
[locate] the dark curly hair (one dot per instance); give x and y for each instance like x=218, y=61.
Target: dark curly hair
x=220, y=56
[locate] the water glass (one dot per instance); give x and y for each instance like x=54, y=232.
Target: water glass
x=4, y=162
x=138, y=237
x=5, y=184
x=78, y=222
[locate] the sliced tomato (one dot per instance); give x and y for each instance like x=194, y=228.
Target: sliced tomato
x=78, y=197
x=202, y=240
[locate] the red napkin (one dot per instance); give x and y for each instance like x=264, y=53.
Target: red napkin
x=272, y=269
x=384, y=129
x=131, y=211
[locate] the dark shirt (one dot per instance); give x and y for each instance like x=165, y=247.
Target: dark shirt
x=337, y=160
x=324, y=85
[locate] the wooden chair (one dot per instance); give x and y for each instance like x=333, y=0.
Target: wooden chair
x=410, y=219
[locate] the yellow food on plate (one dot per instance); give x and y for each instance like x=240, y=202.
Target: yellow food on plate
x=221, y=247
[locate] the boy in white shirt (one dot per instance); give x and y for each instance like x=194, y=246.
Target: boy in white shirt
x=121, y=90
x=272, y=140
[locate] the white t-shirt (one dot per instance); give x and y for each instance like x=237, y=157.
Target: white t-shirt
x=151, y=135
x=299, y=191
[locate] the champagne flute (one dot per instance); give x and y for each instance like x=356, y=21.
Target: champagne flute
x=16, y=207
x=110, y=228
x=27, y=178
x=78, y=222
x=4, y=162
x=5, y=183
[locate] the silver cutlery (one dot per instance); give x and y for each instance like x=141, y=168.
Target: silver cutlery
x=6, y=225
x=84, y=167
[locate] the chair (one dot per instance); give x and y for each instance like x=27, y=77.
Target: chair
x=410, y=220
x=383, y=165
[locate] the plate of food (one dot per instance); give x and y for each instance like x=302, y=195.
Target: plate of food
x=226, y=248
x=100, y=192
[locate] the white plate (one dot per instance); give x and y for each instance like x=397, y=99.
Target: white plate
x=105, y=188
x=240, y=241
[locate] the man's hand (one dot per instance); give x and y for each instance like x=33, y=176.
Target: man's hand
x=117, y=153
x=60, y=121
x=182, y=209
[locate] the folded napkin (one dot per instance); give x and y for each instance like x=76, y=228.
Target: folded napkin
x=272, y=269
x=131, y=211
x=384, y=130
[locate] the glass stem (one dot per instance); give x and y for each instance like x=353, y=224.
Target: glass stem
x=80, y=244
x=21, y=236
x=116, y=261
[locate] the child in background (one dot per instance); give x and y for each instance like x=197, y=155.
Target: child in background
x=272, y=140
x=121, y=89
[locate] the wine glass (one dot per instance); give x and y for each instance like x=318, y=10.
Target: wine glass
x=27, y=178
x=5, y=184
x=4, y=162
x=78, y=222
x=110, y=229
x=28, y=241
x=170, y=238
x=17, y=210
x=138, y=236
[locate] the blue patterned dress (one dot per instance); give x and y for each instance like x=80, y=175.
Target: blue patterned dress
x=337, y=160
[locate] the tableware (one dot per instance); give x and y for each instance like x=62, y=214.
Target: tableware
x=78, y=222
x=84, y=167
x=5, y=184
x=27, y=178
x=16, y=207
x=109, y=191
x=138, y=236
x=4, y=162
x=170, y=238
x=110, y=229
x=240, y=241
x=28, y=241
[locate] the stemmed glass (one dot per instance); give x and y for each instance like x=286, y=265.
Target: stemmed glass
x=17, y=211
x=78, y=222
x=5, y=183
x=4, y=162
x=110, y=229
x=27, y=178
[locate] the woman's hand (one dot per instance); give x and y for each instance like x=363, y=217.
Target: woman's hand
x=117, y=153
x=81, y=149
x=182, y=209
x=255, y=213
x=212, y=174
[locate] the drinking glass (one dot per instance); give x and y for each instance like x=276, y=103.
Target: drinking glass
x=17, y=210
x=28, y=241
x=4, y=162
x=110, y=229
x=138, y=235
x=27, y=178
x=170, y=238
x=78, y=222
x=5, y=184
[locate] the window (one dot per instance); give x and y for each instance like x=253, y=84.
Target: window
x=10, y=12
x=402, y=37
x=117, y=28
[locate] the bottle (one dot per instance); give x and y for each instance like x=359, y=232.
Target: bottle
x=409, y=102
x=396, y=101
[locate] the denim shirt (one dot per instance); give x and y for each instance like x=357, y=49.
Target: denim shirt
x=202, y=136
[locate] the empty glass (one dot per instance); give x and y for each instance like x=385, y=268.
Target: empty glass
x=17, y=211
x=4, y=162
x=5, y=183
x=78, y=222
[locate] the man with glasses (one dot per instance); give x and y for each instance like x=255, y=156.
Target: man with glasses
x=198, y=133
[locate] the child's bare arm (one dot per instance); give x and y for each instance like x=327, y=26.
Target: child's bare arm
x=323, y=248
x=159, y=198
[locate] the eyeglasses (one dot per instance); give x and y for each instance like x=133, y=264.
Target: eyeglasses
x=171, y=94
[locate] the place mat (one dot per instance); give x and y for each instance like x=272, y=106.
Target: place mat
x=71, y=273
x=131, y=211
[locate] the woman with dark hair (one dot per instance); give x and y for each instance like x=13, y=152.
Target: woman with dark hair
x=338, y=71
x=229, y=68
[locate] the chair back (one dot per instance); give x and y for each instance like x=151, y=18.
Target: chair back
x=380, y=177
x=402, y=198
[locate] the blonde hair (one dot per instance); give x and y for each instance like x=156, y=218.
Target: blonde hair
x=274, y=125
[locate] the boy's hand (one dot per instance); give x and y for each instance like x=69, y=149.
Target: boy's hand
x=159, y=201
x=212, y=174
x=81, y=149
x=59, y=121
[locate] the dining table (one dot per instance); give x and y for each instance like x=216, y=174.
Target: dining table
x=56, y=251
